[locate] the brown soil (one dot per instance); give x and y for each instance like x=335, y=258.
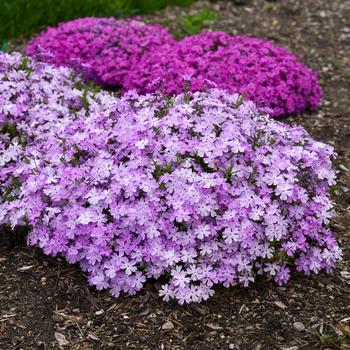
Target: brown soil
x=44, y=302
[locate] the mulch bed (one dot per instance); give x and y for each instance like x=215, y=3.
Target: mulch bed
x=46, y=303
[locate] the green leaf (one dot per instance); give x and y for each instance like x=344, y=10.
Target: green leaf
x=228, y=173
x=240, y=100
x=4, y=45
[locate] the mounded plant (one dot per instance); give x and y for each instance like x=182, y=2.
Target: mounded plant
x=103, y=49
x=132, y=55
x=197, y=190
x=267, y=74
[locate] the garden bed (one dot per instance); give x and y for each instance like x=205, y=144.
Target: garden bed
x=45, y=302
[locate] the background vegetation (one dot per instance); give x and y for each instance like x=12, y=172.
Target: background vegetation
x=23, y=18
x=195, y=22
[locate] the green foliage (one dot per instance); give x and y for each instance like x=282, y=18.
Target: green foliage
x=26, y=17
x=327, y=337
x=228, y=173
x=193, y=23
x=269, y=7
x=4, y=46
x=9, y=129
x=240, y=100
x=87, y=86
x=160, y=171
x=147, y=6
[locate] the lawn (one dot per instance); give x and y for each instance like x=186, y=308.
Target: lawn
x=23, y=18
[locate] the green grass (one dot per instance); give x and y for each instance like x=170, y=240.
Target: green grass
x=23, y=18
x=193, y=23
x=269, y=7
x=329, y=338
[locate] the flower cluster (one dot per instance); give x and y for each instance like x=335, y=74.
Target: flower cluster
x=101, y=48
x=131, y=55
x=196, y=190
x=35, y=98
x=269, y=75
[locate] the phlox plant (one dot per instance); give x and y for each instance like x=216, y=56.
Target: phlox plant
x=103, y=49
x=267, y=74
x=130, y=55
x=36, y=98
x=196, y=190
